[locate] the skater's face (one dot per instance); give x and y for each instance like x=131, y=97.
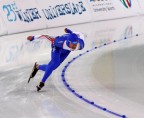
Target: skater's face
x=72, y=46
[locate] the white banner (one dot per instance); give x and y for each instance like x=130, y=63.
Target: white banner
x=3, y=27
x=108, y=31
x=141, y=5
x=21, y=15
x=110, y=9
x=65, y=12
x=17, y=50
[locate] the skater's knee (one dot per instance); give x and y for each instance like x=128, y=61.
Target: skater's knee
x=53, y=66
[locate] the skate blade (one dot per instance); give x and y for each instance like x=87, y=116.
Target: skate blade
x=31, y=73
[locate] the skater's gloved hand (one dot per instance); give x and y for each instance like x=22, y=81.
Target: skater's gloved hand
x=30, y=38
x=39, y=87
x=67, y=30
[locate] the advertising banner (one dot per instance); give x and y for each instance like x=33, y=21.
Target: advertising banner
x=141, y=5
x=65, y=12
x=3, y=28
x=21, y=15
x=110, y=9
x=16, y=50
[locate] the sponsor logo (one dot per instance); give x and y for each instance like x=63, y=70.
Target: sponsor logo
x=127, y=3
x=13, y=13
x=102, y=5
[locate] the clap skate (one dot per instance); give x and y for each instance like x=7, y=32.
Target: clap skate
x=39, y=87
x=34, y=71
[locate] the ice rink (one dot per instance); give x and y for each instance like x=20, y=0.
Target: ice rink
x=105, y=80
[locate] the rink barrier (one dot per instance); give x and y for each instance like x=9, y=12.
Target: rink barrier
x=79, y=95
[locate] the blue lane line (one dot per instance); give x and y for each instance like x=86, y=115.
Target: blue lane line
x=82, y=97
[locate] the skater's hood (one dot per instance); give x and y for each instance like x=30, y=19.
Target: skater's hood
x=73, y=38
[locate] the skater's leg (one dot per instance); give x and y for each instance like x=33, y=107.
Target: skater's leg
x=62, y=58
x=42, y=67
x=53, y=64
x=54, y=51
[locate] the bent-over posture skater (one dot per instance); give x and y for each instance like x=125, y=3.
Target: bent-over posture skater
x=61, y=48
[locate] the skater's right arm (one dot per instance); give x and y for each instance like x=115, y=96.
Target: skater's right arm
x=31, y=38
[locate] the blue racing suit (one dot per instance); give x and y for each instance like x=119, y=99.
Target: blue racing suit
x=60, y=51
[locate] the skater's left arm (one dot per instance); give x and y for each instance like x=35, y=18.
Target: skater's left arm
x=81, y=43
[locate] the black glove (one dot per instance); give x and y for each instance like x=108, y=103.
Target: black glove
x=40, y=86
x=67, y=30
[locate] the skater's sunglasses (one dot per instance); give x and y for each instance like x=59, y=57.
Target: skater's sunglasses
x=75, y=42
